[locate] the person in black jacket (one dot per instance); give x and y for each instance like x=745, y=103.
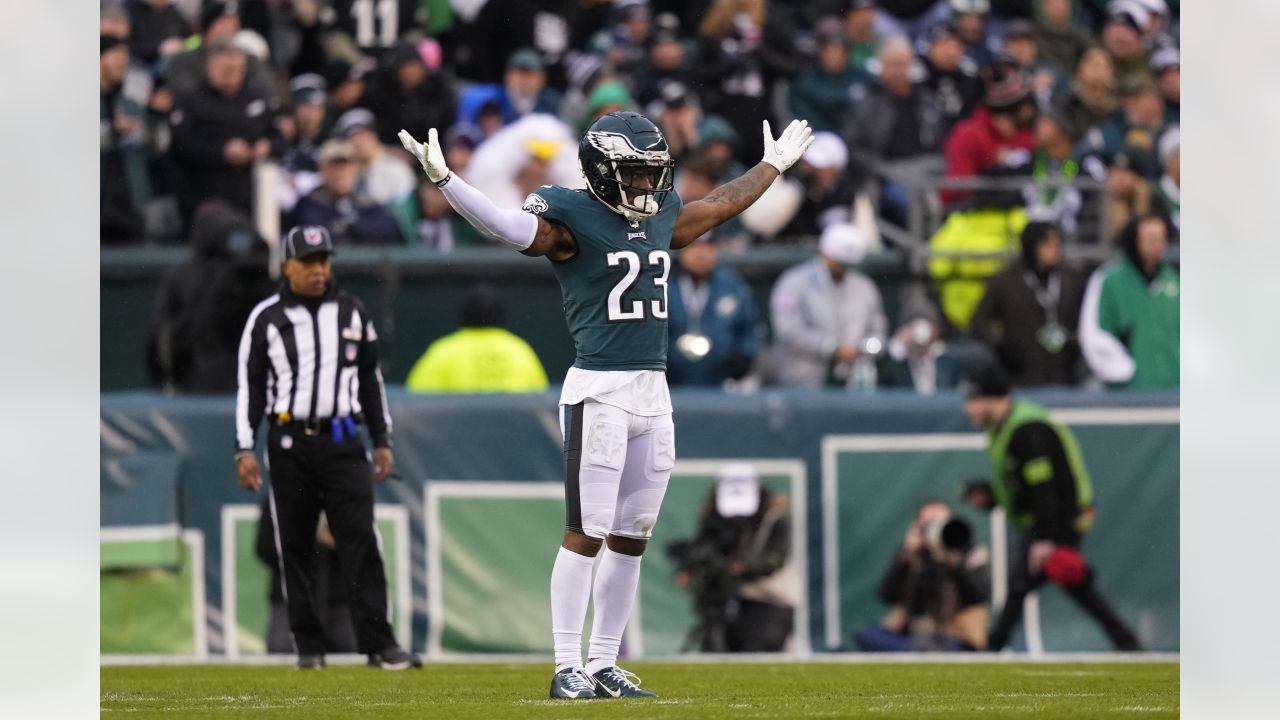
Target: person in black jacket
x=219, y=131
x=937, y=585
x=406, y=94
x=1040, y=479
x=351, y=216
x=195, y=327
x=1031, y=310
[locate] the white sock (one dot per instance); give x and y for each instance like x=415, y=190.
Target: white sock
x=614, y=596
x=570, y=591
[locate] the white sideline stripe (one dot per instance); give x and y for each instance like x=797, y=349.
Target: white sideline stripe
x=140, y=533
x=199, y=613
x=397, y=515
x=1004, y=658
x=833, y=445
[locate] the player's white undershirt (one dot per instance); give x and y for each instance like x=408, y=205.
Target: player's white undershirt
x=639, y=392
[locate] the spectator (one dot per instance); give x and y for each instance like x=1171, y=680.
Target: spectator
x=202, y=303
x=898, y=121
x=1041, y=481
x=480, y=357
x=828, y=319
x=219, y=131
x=970, y=19
x=668, y=61
x=1020, y=46
x=951, y=75
x=384, y=176
x=1129, y=322
x=920, y=357
x=485, y=34
x=997, y=139
x=937, y=584
x=1166, y=66
x=525, y=83
x=303, y=132
x=460, y=144
x=860, y=28
x=713, y=321
x=124, y=183
x=1030, y=312
x=1123, y=41
x=346, y=83
x=745, y=48
x=157, y=29
x=533, y=151
x=720, y=143
x=606, y=97
x=408, y=94
x=219, y=24
x=1091, y=97
x=438, y=226
x=822, y=94
x=677, y=112
x=1127, y=139
x=828, y=191
x=1060, y=37
x=738, y=567
x=1052, y=193
x=1168, y=195
x=351, y=217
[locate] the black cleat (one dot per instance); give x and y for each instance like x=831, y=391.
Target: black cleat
x=394, y=658
x=571, y=684
x=311, y=662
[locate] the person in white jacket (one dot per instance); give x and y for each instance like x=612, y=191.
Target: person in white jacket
x=828, y=319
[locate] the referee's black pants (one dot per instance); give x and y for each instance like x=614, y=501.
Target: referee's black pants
x=1022, y=582
x=310, y=473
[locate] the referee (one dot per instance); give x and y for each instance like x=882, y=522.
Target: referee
x=309, y=362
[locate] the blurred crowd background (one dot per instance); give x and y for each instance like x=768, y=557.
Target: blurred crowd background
x=1017, y=160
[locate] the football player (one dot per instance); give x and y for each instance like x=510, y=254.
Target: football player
x=610, y=249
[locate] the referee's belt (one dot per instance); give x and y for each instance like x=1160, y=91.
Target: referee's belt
x=315, y=426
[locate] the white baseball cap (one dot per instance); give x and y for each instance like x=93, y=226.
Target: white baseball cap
x=737, y=491
x=827, y=151
x=843, y=243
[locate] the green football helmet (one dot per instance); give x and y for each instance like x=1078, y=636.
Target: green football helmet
x=627, y=164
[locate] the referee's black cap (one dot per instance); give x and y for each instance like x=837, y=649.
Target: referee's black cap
x=307, y=240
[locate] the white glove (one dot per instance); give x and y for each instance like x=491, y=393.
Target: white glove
x=430, y=155
x=786, y=150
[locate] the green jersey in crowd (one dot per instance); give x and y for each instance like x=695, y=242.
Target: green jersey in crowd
x=1144, y=316
x=615, y=287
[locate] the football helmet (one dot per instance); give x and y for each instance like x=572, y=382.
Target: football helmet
x=627, y=164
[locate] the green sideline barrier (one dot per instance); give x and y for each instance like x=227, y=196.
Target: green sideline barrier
x=152, y=593
x=515, y=440
x=495, y=543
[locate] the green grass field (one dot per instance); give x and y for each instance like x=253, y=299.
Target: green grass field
x=950, y=691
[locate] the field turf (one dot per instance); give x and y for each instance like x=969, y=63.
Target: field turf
x=704, y=691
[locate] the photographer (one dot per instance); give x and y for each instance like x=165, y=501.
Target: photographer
x=938, y=585
x=738, y=567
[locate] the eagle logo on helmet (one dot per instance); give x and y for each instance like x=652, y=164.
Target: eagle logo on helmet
x=627, y=165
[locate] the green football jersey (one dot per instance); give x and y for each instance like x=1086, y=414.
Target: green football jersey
x=615, y=288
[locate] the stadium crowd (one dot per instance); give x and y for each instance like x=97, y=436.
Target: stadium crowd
x=1024, y=126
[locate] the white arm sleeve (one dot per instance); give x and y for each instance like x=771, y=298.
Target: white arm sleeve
x=515, y=228
x=1107, y=356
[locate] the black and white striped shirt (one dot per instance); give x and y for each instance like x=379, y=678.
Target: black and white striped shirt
x=310, y=358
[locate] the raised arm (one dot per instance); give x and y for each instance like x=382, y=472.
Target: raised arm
x=737, y=195
x=523, y=231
